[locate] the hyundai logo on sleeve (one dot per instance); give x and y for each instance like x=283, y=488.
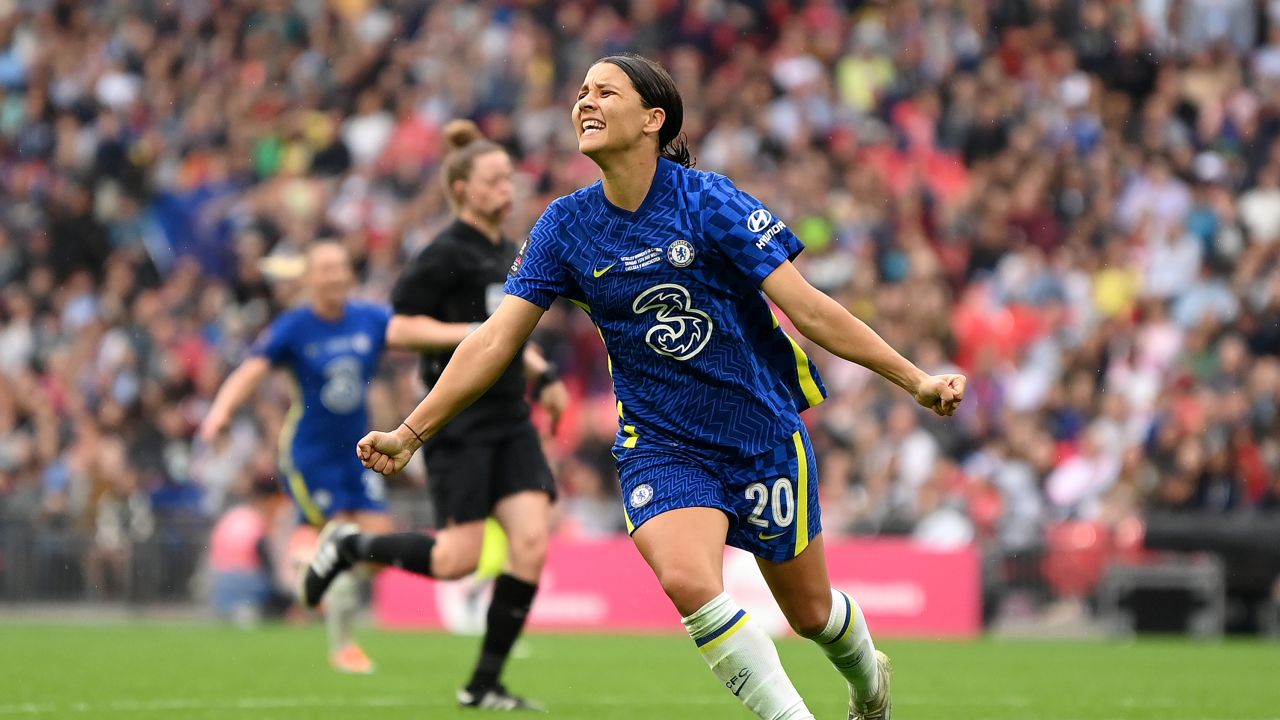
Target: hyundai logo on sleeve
x=758, y=220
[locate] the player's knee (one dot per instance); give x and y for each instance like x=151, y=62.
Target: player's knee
x=808, y=620
x=528, y=547
x=452, y=566
x=689, y=587
x=455, y=557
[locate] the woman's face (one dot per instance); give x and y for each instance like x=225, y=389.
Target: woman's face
x=609, y=116
x=329, y=274
x=488, y=190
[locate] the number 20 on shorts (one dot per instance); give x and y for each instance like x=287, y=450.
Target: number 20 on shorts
x=783, y=505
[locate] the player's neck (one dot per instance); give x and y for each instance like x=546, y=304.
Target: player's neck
x=329, y=311
x=488, y=227
x=627, y=179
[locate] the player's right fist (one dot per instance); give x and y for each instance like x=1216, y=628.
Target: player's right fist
x=384, y=453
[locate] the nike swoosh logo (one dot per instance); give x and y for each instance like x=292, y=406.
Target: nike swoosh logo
x=738, y=691
x=771, y=537
x=603, y=270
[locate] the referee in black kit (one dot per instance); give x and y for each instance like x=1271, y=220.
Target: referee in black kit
x=488, y=461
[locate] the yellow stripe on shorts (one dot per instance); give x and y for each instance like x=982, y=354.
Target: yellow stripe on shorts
x=297, y=483
x=802, y=494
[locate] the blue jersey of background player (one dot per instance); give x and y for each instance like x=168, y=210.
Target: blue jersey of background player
x=330, y=348
x=330, y=362
x=671, y=263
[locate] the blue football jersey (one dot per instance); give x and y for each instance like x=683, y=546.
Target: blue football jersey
x=331, y=363
x=697, y=356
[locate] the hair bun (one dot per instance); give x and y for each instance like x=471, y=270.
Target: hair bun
x=461, y=133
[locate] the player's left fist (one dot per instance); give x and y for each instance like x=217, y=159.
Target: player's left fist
x=941, y=393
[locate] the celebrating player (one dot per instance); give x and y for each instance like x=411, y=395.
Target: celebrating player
x=331, y=347
x=670, y=263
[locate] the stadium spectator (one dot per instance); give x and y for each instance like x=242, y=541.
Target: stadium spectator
x=242, y=564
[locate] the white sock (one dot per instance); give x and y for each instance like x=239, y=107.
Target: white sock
x=342, y=603
x=745, y=660
x=847, y=642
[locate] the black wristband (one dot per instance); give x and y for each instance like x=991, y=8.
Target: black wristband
x=415, y=433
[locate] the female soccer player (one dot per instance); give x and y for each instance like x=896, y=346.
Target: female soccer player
x=331, y=347
x=670, y=264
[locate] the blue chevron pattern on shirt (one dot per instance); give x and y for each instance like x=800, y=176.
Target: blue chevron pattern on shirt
x=697, y=356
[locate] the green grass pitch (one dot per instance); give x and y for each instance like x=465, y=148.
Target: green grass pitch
x=204, y=672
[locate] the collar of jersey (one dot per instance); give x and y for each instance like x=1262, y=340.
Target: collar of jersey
x=660, y=179
x=465, y=231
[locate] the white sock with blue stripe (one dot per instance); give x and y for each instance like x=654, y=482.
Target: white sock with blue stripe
x=745, y=660
x=847, y=642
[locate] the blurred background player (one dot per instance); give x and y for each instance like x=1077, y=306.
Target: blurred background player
x=331, y=347
x=674, y=266
x=489, y=461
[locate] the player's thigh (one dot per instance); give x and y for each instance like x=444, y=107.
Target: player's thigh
x=460, y=475
x=685, y=549
x=802, y=587
x=678, y=516
x=775, y=500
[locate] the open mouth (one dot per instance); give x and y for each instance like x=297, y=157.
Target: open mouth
x=591, y=127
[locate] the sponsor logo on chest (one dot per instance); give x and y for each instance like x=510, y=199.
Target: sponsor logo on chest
x=679, y=253
x=359, y=343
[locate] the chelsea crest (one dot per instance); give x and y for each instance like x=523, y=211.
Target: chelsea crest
x=680, y=253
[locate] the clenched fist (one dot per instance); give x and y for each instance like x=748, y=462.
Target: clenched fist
x=385, y=453
x=941, y=393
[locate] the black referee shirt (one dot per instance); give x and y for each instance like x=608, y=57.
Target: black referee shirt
x=458, y=278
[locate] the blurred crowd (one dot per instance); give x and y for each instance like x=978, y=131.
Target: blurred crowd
x=1077, y=202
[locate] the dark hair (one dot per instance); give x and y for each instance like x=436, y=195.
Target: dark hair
x=466, y=143
x=657, y=89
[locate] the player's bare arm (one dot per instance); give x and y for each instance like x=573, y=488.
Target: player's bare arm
x=823, y=320
x=235, y=390
x=475, y=366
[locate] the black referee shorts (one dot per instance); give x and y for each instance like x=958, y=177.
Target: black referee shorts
x=468, y=476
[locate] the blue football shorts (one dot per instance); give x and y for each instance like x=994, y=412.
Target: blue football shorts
x=323, y=487
x=771, y=499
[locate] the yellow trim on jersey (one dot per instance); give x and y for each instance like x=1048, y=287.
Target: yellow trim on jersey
x=627, y=516
x=812, y=393
x=742, y=621
x=633, y=437
x=580, y=304
x=297, y=483
x=802, y=494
